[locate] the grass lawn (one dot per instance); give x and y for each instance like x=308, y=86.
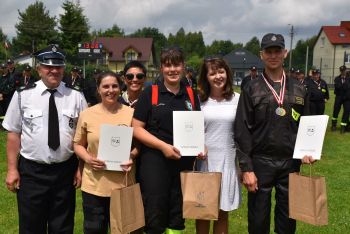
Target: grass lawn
x=335, y=166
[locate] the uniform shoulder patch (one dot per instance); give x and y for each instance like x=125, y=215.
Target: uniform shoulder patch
x=28, y=86
x=299, y=100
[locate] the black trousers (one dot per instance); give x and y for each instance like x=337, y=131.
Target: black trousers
x=46, y=198
x=338, y=102
x=159, y=179
x=317, y=107
x=96, y=213
x=271, y=173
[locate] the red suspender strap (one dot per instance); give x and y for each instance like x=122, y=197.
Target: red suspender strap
x=190, y=95
x=154, y=95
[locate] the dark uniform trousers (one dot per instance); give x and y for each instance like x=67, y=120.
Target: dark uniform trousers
x=271, y=173
x=161, y=190
x=341, y=100
x=317, y=107
x=46, y=198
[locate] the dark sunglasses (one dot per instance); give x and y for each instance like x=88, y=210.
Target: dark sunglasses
x=131, y=76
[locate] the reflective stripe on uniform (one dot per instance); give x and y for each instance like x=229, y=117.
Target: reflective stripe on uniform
x=172, y=231
x=334, y=119
x=295, y=115
x=343, y=124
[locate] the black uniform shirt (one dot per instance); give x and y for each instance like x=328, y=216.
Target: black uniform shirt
x=317, y=90
x=342, y=87
x=159, y=118
x=258, y=130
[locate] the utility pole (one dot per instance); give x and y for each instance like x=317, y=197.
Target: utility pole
x=291, y=46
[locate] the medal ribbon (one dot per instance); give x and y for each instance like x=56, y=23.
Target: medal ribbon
x=279, y=98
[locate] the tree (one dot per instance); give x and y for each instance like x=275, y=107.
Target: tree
x=4, y=42
x=299, y=53
x=114, y=31
x=74, y=28
x=253, y=46
x=35, y=30
x=222, y=47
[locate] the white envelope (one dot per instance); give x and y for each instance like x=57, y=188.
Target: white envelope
x=114, y=145
x=311, y=132
x=188, y=130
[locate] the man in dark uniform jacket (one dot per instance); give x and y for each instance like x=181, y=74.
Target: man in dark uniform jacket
x=318, y=93
x=265, y=130
x=5, y=89
x=25, y=79
x=75, y=81
x=91, y=89
x=253, y=74
x=342, y=97
x=190, y=78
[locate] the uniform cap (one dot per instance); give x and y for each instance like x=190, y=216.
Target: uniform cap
x=253, y=68
x=3, y=66
x=272, y=40
x=51, y=56
x=316, y=71
x=27, y=68
x=292, y=69
x=75, y=69
x=10, y=61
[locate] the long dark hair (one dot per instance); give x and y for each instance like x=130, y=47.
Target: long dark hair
x=203, y=83
x=103, y=75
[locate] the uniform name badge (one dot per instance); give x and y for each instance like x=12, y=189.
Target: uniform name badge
x=280, y=111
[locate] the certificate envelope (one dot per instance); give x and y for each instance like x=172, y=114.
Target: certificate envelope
x=114, y=145
x=311, y=132
x=188, y=130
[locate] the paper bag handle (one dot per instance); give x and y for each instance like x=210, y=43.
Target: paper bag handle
x=125, y=182
x=194, y=164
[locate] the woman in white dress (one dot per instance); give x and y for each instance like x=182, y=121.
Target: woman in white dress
x=219, y=104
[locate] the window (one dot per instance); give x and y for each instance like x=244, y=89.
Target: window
x=347, y=57
x=131, y=55
x=341, y=34
x=322, y=41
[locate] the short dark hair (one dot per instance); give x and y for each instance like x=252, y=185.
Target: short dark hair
x=135, y=63
x=172, y=54
x=203, y=83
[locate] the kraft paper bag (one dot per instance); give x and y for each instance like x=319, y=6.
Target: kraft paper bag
x=308, y=199
x=126, y=210
x=201, y=194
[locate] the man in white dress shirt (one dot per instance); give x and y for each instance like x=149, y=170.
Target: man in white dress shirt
x=41, y=166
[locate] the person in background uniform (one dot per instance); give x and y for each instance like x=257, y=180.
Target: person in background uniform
x=292, y=73
x=75, y=81
x=6, y=88
x=25, y=79
x=190, y=78
x=217, y=96
x=160, y=163
x=91, y=89
x=342, y=98
x=11, y=67
x=253, y=74
x=318, y=93
x=265, y=130
x=300, y=76
x=97, y=182
x=134, y=78
x=41, y=122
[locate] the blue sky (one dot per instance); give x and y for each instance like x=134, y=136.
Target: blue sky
x=235, y=20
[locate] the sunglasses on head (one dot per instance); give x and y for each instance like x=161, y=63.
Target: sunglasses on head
x=212, y=58
x=169, y=48
x=131, y=76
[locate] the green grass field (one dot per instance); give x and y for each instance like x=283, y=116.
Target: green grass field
x=335, y=166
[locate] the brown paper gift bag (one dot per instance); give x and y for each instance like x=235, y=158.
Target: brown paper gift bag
x=126, y=210
x=308, y=199
x=201, y=194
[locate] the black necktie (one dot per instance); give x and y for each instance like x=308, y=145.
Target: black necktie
x=54, y=133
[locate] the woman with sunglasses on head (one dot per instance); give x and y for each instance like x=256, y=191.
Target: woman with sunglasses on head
x=160, y=163
x=219, y=105
x=134, y=78
x=98, y=183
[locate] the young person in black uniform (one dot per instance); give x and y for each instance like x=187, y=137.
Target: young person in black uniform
x=253, y=74
x=190, y=78
x=265, y=131
x=318, y=93
x=41, y=121
x=75, y=81
x=160, y=163
x=342, y=97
